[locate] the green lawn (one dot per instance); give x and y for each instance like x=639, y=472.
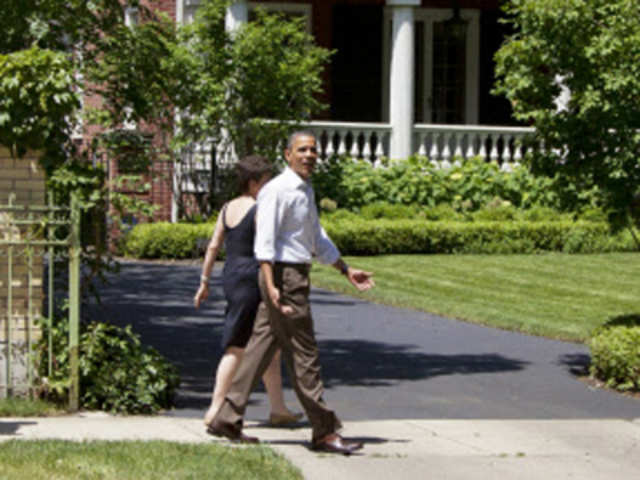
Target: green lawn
x=57, y=459
x=555, y=295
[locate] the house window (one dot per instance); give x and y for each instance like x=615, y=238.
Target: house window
x=290, y=10
x=449, y=75
x=446, y=67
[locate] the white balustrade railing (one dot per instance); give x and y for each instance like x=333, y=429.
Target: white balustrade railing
x=369, y=141
x=445, y=144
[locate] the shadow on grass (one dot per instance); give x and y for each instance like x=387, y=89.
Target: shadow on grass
x=629, y=320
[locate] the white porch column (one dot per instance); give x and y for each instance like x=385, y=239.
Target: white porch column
x=179, y=12
x=402, y=77
x=237, y=14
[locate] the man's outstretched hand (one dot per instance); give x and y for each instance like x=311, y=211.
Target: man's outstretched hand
x=360, y=279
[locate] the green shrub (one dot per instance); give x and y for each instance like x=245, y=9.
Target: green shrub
x=467, y=186
x=389, y=211
x=355, y=235
x=615, y=353
x=593, y=214
x=341, y=214
x=444, y=212
x=117, y=373
x=358, y=237
x=166, y=240
x=539, y=213
x=328, y=205
x=497, y=210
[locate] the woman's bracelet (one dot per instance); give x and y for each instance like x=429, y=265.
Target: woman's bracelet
x=204, y=279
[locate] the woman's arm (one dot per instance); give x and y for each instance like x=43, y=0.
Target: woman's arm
x=215, y=244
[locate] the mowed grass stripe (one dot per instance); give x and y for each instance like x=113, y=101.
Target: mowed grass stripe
x=555, y=295
x=510, y=284
x=138, y=460
x=565, y=295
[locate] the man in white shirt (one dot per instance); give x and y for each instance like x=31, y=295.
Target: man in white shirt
x=288, y=236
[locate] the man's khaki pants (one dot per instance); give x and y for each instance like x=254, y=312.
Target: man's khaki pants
x=294, y=334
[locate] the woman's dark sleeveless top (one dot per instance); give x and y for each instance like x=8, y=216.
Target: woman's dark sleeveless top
x=240, y=280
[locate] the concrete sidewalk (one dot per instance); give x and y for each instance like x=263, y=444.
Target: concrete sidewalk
x=406, y=449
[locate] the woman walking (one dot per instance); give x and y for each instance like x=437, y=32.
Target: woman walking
x=235, y=228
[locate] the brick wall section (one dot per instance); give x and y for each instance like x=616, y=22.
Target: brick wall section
x=166, y=6
x=25, y=178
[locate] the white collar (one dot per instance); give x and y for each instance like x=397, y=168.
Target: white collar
x=296, y=180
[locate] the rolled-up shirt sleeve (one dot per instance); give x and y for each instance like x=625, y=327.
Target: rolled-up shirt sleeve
x=267, y=222
x=326, y=251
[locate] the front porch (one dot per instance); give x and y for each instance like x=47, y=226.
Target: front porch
x=399, y=65
x=409, y=77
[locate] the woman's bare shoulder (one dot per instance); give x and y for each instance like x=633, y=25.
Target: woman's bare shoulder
x=237, y=209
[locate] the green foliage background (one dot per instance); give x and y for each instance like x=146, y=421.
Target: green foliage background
x=466, y=186
x=592, y=47
x=117, y=373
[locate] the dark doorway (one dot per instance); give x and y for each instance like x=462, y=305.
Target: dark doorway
x=494, y=110
x=356, y=67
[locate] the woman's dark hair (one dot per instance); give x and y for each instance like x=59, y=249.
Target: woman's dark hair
x=253, y=168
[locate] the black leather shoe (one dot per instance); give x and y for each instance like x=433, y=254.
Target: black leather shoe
x=230, y=432
x=334, y=443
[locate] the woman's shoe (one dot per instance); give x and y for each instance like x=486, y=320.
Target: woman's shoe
x=277, y=420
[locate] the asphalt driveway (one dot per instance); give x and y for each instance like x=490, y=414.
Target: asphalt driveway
x=378, y=362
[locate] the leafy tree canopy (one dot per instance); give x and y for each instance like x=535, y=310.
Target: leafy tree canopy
x=591, y=47
x=242, y=89
x=269, y=68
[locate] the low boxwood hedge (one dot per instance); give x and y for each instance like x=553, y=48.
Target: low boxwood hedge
x=166, y=240
x=384, y=236
x=615, y=353
x=418, y=236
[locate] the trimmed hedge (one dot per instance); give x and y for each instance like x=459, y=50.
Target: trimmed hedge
x=418, y=236
x=166, y=240
x=384, y=236
x=615, y=353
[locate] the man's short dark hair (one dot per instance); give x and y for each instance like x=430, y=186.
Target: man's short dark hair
x=299, y=133
x=252, y=167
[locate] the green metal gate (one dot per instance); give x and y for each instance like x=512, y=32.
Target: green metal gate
x=31, y=239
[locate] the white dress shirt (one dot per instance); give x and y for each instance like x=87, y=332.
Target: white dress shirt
x=287, y=226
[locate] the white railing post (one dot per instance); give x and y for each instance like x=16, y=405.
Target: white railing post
x=329, y=150
x=342, y=147
x=494, y=155
x=354, y=152
x=471, y=138
x=457, y=138
x=446, y=150
x=379, y=153
x=434, y=154
x=422, y=149
x=366, y=148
